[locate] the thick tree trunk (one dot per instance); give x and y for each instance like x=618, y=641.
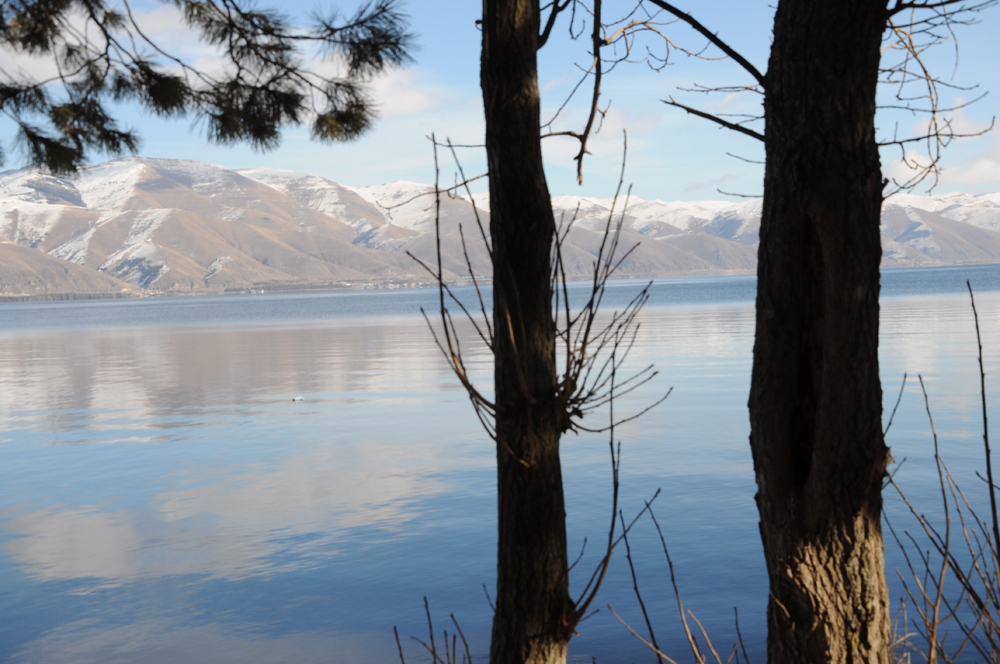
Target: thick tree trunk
x=815, y=398
x=532, y=623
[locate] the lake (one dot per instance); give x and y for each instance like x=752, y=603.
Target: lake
x=163, y=497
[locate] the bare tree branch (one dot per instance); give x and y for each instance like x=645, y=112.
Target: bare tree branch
x=905, y=6
x=716, y=119
x=550, y=23
x=597, y=42
x=714, y=38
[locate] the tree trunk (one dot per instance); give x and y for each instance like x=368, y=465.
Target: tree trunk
x=532, y=623
x=815, y=398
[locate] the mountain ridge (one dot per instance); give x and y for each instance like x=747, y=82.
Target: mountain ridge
x=154, y=226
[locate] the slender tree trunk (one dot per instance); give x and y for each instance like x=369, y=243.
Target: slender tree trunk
x=815, y=398
x=533, y=607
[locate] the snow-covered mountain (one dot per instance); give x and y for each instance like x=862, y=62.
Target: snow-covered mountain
x=139, y=224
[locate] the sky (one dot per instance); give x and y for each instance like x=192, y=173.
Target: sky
x=670, y=155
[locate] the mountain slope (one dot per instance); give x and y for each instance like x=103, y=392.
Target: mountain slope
x=27, y=271
x=185, y=226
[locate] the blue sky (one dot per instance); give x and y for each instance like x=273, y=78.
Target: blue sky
x=671, y=156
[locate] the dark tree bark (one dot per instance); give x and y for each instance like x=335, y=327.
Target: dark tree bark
x=815, y=398
x=534, y=614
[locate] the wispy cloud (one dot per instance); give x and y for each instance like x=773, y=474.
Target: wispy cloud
x=981, y=171
x=695, y=186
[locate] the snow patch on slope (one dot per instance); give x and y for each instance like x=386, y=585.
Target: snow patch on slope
x=405, y=204
x=201, y=177
x=272, y=177
x=216, y=266
x=659, y=219
x=231, y=214
x=383, y=239
x=982, y=210
x=141, y=265
x=317, y=193
x=109, y=185
x=138, y=260
x=31, y=186
x=75, y=250
x=28, y=223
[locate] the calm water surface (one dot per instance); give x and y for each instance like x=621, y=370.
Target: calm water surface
x=163, y=498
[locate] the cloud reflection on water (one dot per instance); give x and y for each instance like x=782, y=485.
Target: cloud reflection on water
x=95, y=378
x=247, y=482
x=330, y=495
x=250, y=523
x=171, y=642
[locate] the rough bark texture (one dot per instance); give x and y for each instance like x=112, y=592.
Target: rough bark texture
x=816, y=399
x=532, y=603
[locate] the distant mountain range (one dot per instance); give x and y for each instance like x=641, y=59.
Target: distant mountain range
x=136, y=225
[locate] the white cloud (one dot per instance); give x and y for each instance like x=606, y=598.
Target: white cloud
x=397, y=92
x=962, y=125
x=968, y=162
x=994, y=152
x=165, y=26
x=731, y=99
x=960, y=168
x=554, y=83
x=620, y=118
x=903, y=169
x=956, y=126
x=20, y=66
x=981, y=171
x=695, y=186
x=560, y=151
x=404, y=92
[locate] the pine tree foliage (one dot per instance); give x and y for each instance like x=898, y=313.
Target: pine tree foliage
x=103, y=57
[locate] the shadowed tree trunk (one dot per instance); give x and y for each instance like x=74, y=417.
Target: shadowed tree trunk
x=815, y=398
x=533, y=620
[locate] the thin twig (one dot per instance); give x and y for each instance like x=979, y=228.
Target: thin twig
x=716, y=119
x=896, y=407
x=986, y=431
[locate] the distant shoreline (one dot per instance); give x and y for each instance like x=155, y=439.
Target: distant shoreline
x=372, y=285
x=320, y=287
x=62, y=297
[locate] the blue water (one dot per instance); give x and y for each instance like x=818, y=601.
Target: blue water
x=163, y=499
x=324, y=307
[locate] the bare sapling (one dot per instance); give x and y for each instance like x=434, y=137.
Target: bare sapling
x=966, y=606
x=592, y=348
x=451, y=653
x=698, y=652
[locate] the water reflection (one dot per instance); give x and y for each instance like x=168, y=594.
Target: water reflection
x=241, y=483
x=167, y=642
x=162, y=498
x=273, y=520
x=62, y=382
